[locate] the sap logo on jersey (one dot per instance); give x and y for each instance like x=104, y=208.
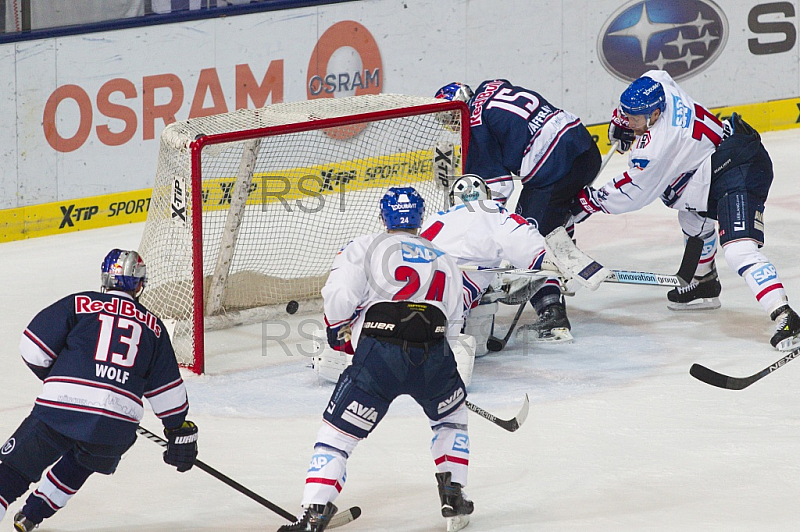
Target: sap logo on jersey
x=318, y=461
x=765, y=274
x=417, y=253
x=682, y=37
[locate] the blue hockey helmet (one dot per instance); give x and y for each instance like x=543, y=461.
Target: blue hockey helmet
x=402, y=208
x=459, y=92
x=123, y=270
x=643, y=97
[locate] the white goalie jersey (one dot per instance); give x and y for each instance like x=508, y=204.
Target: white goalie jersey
x=391, y=267
x=484, y=233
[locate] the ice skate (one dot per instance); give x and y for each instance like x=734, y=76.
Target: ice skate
x=787, y=329
x=552, y=325
x=22, y=523
x=455, y=506
x=701, y=294
x=314, y=519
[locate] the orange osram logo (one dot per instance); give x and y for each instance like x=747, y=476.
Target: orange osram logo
x=331, y=71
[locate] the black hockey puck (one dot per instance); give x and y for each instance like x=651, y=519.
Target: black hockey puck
x=495, y=344
x=292, y=306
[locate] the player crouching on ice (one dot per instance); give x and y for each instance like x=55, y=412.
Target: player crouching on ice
x=707, y=170
x=93, y=348
x=401, y=297
x=480, y=233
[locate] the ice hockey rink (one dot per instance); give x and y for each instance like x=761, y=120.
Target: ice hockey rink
x=619, y=437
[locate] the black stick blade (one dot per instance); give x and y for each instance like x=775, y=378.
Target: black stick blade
x=709, y=376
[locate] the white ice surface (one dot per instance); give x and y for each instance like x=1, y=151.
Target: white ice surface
x=619, y=436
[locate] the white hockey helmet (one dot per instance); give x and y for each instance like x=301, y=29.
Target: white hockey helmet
x=469, y=187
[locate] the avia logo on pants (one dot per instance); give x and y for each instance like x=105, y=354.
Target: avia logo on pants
x=448, y=403
x=360, y=416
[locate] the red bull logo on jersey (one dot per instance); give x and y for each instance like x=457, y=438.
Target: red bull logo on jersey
x=418, y=253
x=117, y=307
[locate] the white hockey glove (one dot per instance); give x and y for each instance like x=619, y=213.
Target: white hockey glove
x=619, y=130
x=573, y=262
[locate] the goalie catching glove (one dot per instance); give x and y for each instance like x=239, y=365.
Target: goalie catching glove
x=619, y=131
x=181, y=446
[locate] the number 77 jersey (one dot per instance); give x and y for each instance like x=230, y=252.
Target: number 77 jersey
x=672, y=160
x=391, y=267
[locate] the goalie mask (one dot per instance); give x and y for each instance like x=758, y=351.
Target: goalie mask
x=402, y=208
x=123, y=270
x=469, y=187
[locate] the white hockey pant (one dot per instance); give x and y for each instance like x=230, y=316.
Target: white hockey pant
x=744, y=257
x=450, y=444
x=327, y=470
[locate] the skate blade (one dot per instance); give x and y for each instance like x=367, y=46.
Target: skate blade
x=788, y=344
x=706, y=303
x=457, y=523
x=559, y=335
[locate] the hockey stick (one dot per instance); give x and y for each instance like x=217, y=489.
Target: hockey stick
x=617, y=276
x=341, y=518
x=738, y=383
x=509, y=424
x=497, y=344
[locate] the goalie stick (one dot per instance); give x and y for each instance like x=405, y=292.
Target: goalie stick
x=509, y=424
x=719, y=380
x=341, y=518
x=616, y=276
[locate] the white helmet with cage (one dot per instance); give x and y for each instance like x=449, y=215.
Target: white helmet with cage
x=469, y=187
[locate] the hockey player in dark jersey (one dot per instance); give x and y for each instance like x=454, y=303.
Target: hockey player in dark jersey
x=98, y=354
x=516, y=131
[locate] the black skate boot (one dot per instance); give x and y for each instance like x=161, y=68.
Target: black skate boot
x=701, y=294
x=552, y=325
x=787, y=330
x=22, y=523
x=314, y=519
x=455, y=507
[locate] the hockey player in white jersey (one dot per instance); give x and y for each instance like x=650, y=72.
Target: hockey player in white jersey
x=478, y=231
x=707, y=170
x=400, y=299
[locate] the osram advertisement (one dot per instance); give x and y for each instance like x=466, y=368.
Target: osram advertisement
x=82, y=114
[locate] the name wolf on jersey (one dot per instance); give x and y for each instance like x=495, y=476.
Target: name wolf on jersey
x=445, y=405
x=111, y=373
x=87, y=305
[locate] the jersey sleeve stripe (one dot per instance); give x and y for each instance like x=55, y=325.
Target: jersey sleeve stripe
x=170, y=401
x=164, y=388
x=40, y=344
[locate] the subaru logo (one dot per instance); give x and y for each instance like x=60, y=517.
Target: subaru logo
x=682, y=37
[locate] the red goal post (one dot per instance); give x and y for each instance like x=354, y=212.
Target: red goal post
x=249, y=208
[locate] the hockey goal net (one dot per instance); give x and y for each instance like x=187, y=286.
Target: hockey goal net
x=250, y=207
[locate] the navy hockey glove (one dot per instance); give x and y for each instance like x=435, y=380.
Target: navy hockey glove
x=619, y=130
x=181, y=446
x=583, y=205
x=339, y=338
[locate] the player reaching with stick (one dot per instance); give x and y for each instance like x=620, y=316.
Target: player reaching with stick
x=708, y=171
x=98, y=354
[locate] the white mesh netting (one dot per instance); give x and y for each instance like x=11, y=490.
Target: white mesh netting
x=276, y=208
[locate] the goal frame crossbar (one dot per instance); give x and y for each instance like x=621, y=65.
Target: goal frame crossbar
x=202, y=141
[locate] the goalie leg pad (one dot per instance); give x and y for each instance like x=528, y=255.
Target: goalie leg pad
x=464, y=352
x=573, y=262
x=327, y=362
x=479, y=325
